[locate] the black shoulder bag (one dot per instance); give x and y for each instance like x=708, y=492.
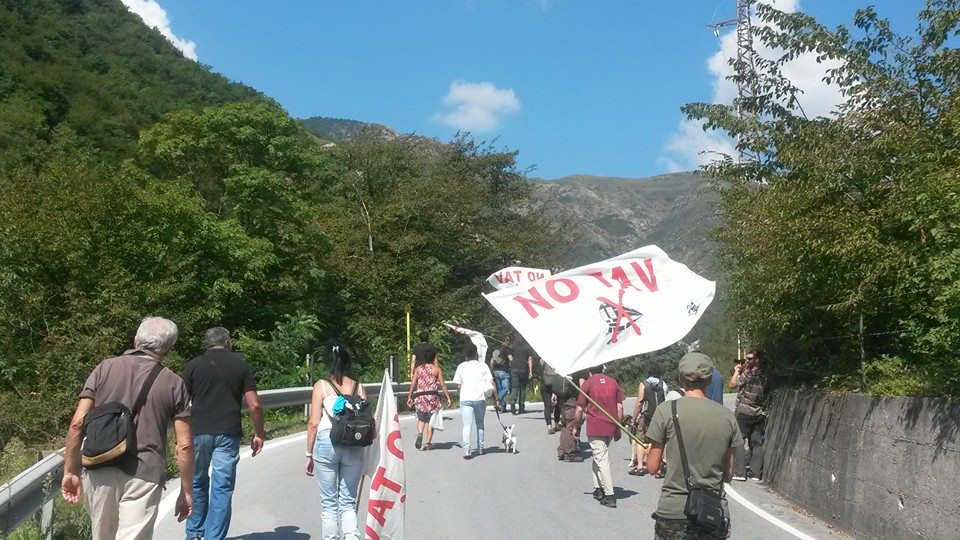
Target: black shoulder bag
x=354, y=424
x=703, y=505
x=110, y=430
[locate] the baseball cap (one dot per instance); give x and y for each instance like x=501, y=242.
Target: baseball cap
x=695, y=366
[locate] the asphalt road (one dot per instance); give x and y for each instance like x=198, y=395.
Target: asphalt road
x=529, y=496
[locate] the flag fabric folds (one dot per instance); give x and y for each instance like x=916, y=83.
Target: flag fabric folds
x=384, y=465
x=635, y=303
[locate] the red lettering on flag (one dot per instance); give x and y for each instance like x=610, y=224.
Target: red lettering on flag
x=619, y=274
x=378, y=509
x=371, y=534
x=535, y=300
x=648, y=278
x=380, y=480
x=572, y=290
x=392, y=446
x=599, y=275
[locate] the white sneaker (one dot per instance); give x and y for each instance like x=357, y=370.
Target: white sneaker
x=740, y=478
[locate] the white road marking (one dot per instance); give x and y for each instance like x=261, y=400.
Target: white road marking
x=168, y=502
x=764, y=514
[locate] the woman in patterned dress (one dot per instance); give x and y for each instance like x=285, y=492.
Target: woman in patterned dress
x=425, y=393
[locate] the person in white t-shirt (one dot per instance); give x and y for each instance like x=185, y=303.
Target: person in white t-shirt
x=476, y=384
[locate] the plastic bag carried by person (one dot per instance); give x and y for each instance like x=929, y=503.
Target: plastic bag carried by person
x=436, y=420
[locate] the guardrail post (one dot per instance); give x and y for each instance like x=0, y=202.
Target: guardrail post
x=46, y=519
x=45, y=515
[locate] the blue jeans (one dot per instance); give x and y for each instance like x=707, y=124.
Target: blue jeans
x=471, y=414
x=212, y=495
x=338, y=470
x=503, y=386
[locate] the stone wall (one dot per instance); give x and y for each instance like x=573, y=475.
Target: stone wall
x=881, y=467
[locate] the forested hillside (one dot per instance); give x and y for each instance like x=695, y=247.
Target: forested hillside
x=136, y=182
x=92, y=66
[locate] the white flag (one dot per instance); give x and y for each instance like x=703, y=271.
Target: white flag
x=384, y=461
x=513, y=276
x=477, y=338
x=638, y=302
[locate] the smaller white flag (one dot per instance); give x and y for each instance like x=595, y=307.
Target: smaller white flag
x=388, y=486
x=477, y=338
x=513, y=276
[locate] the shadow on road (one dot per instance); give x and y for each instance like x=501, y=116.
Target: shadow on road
x=620, y=493
x=444, y=445
x=280, y=533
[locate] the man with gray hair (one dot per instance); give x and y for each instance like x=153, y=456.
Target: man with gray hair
x=122, y=498
x=217, y=381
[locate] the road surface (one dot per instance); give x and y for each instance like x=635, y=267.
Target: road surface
x=528, y=496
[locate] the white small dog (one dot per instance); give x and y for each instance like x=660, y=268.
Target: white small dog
x=510, y=440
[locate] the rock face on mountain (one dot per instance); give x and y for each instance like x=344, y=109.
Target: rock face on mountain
x=601, y=216
x=604, y=217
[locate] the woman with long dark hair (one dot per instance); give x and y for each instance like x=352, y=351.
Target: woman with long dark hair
x=337, y=468
x=425, y=393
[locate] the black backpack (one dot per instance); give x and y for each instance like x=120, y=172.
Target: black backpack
x=354, y=425
x=652, y=396
x=110, y=430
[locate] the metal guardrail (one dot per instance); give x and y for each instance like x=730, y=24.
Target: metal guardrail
x=33, y=490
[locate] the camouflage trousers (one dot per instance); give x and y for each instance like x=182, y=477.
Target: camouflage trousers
x=684, y=529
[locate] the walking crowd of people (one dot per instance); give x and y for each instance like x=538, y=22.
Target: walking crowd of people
x=119, y=479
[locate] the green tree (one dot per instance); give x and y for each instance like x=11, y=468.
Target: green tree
x=848, y=217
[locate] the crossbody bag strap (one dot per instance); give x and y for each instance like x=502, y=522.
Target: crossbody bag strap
x=334, y=386
x=145, y=390
x=683, y=452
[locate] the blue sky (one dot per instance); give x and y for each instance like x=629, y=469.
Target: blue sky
x=575, y=86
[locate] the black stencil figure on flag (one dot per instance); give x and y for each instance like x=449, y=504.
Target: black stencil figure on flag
x=618, y=317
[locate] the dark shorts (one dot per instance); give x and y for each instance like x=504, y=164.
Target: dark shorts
x=684, y=529
x=424, y=416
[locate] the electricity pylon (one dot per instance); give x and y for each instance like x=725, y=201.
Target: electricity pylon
x=744, y=64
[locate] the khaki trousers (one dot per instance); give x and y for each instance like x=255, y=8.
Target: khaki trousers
x=601, y=464
x=120, y=506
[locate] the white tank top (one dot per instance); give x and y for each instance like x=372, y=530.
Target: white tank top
x=328, y=401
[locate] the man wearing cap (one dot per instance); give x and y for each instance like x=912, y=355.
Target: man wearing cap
x=710, y=436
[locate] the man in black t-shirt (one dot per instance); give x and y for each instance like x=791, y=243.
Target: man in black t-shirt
x=424, y=349
x=217, y=381
x=521, y=371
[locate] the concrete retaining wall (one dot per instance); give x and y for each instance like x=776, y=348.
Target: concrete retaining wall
x=880, y=467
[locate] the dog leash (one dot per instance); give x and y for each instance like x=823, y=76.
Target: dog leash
x=497, y=410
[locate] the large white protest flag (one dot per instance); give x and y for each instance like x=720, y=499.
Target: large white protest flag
x=514, y=276
x=384, y=463
x=477, y=338
x=638, y=302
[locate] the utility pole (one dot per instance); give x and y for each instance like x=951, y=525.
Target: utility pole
x=744, y=64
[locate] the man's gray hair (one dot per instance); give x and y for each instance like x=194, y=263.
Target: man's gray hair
x=156, y=334
x=216, y=337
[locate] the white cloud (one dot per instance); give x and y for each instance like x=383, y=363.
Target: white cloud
x=472, y=106
x=684, y=146
x=154, y=16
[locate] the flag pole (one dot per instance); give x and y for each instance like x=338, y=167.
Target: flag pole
x=604, y=411
x=409, y=356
